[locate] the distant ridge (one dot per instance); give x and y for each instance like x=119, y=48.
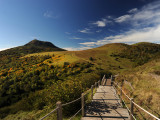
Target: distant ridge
x=39, y=43
x=144, y=43
x=33, y=46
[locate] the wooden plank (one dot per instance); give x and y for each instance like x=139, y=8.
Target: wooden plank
x=105, y=105
x=108, y=83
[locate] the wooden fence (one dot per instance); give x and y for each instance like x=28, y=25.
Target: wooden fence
x=59, y=105
x=132, y=103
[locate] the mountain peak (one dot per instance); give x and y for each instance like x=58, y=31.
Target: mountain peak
x=40, y=43
x=33, y=46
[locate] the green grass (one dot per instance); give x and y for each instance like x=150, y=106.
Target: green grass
x=37, y=114
x=102, y=58
x=58, y=57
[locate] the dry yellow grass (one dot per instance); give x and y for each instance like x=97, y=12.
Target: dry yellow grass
x=145, y=85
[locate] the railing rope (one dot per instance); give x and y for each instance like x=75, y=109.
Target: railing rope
x=121, y=93
x=92, y=92
x=75, y=114
x=56, y=109
x=152, y=111
x=103, y=80
x=126, y=106
x=71, y=102
x=49, y=113
x=60, y=105
x=97, y=84
x=146, y=111
x=132, y=103
x=126, y=95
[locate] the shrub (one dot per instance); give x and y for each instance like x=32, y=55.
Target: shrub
x=91, y=59
x=66, y=63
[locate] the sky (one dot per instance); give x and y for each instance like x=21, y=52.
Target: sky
x=79, y=24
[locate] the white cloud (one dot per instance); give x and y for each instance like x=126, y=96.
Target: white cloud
x=86, y=30
x=100, y=23
x=76, y=38
x=49, y=14
x=133, y=10
x=103, y=22
x=88, y=43
x=149, y=14
x=151, y=34
x=1, y=49
x=77, y=49
x=70, y=49
x=122, y=18
x=144, y=26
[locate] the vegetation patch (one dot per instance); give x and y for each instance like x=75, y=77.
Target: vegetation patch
x=31, y=84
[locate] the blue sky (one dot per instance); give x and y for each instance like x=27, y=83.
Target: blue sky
x=79, y=24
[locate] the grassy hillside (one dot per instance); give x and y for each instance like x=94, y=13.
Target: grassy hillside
x=140, y=53
x=34, y=82
x=33, y=46
x=100, y=57
x=30, y=84
x=58, y=58
x=143, y=84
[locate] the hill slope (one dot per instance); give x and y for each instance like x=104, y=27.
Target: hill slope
x=143, y=84
x=32, y=47
x=100, y=57
x=33, y=83
x=38, y=43
x=115, y=57
x=140, y=53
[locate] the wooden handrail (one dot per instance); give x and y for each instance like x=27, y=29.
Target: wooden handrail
x=59, y=105
x=133, y=103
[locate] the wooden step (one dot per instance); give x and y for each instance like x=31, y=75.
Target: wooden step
x=105, y=105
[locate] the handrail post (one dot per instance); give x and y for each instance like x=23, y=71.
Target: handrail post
x=59, y=110
x=121, y=93
x=111, y=80
x=98, y=83
x=131, y=105
x=95, y=85
x=115, y=87
x=102, y=82
x=92, y=92
x=82, y=104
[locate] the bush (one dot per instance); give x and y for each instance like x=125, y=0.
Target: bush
x=66, y=63
x=91, y=59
